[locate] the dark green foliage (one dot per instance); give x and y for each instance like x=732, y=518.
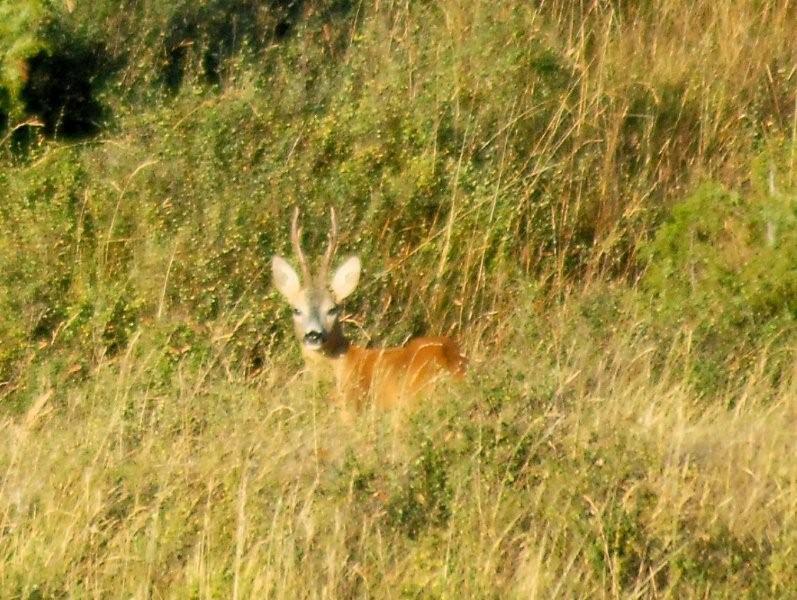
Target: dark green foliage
x=719, y=557
x=422, y=498
x=620, y=543
x=54, y=74
x=209, y=33
x=120, y=324
x=62, y=83
x=724, y=268
x=669, y=114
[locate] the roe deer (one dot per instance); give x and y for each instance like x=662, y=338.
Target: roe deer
x=390, y=376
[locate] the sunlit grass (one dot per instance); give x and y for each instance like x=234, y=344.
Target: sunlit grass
x=602, y=479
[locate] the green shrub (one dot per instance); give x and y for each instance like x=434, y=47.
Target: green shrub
x=422, y=498
x=723, y=267
x=19, y=22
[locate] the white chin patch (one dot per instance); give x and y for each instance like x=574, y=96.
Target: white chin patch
x=313, y=345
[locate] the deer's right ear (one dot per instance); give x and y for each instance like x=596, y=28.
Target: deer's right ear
x=285, y=278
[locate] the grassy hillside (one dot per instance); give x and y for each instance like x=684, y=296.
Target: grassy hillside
x=598, y=199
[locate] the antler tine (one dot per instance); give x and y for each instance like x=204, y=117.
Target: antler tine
x=333, y=242
x=296, y=234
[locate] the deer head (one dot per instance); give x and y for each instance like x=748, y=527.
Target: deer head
x=316, y=300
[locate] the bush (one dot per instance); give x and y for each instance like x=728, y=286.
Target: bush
x=51, y=73
x=722, y=268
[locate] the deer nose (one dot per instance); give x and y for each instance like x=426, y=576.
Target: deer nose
x=313, y=337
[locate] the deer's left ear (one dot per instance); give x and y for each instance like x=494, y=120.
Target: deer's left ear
x=345, y=279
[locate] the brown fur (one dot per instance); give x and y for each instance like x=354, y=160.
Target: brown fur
x=393, y=376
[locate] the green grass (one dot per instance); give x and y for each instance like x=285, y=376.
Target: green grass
x=598, y=201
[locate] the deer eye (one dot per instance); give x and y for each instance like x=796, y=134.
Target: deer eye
x=297, y=312
x=332, y=311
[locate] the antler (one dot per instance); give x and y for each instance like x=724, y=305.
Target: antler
x=296, y=234
x=333, y=242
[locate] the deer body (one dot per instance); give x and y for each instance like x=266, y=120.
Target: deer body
x=389, y=376
x=392, y=376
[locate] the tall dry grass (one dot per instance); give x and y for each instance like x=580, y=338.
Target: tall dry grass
x=553, y=471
